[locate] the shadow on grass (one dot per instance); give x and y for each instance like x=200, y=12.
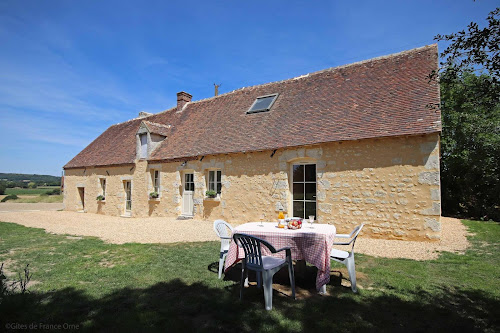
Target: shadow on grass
x=175, y=306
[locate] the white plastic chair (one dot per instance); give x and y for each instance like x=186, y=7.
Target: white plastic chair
x=265, y=265
x=224, y=231
x=345, y=257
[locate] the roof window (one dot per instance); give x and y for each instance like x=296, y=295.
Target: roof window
x=263, y=103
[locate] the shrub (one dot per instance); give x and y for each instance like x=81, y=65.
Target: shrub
x=100, y=197
x=10, y=197
x=56, y=191
x=2, y=188
x=9, y=287
x=154, y=195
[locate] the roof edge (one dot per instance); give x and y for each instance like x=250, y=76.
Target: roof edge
x=387, y=56
x=357, y=63
x=98, y=166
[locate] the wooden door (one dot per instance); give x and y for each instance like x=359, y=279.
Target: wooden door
x=81, y=192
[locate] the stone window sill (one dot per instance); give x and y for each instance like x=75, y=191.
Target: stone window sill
x=154, y=199
x=211, y=199
x=101, y=201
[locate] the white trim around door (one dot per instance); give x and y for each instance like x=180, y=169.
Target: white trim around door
x=187, y=194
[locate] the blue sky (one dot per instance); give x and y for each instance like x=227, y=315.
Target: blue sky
x=70, y=69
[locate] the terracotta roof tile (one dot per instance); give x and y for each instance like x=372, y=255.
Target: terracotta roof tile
x=382, y=97
x=158, y=128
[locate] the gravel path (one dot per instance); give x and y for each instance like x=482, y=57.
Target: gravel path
x=168, y=230
x=453, y=239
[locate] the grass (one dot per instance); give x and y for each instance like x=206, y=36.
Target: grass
x=139, y=287
x=27, y=191
x=35, y=195
x=38, y=199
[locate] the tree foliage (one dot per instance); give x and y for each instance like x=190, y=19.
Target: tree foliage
x=22, y=180
x=475, y=47
x=470, y=106
x=470, y=147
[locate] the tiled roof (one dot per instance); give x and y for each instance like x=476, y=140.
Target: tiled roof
x=158, y=128
x=381, y=97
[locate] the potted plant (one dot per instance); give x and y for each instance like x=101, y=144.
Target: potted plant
x=154, y=195
x=100, y=198
x=211, y=194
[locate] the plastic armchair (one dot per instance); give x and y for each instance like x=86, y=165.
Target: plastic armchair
x=265, y=265
x=224, y=231
x=347, y=258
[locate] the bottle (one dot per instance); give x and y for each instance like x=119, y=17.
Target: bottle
x=281, y=219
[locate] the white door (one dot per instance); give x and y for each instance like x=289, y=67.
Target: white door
x=187, y=195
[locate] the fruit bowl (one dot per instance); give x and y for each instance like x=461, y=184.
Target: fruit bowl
x=294, y=224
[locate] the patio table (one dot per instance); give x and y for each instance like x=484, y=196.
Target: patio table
x=312, y=245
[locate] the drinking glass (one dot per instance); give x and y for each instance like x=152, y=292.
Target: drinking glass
x=311, y=220
x=262, y=218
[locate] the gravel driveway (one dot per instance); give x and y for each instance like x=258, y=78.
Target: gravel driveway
x=168, y=230
x=20, y=207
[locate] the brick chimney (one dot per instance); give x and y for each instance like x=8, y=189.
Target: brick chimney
x=182, y=99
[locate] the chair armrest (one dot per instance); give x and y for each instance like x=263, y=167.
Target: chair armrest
x=342, y=236
x=341, y=243
x=226, y=238
x=288, y=251
x=283, y=248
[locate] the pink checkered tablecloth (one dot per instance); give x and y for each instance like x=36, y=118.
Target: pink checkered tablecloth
x=312, y=245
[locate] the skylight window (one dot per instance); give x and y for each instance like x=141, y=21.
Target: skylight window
x=263, y=103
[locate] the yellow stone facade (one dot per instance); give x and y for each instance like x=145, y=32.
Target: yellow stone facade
x=390, y=184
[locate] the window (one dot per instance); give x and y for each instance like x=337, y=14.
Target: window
x=188, y=182
x=103, y=187
x=144, y=145
x=156, y=180
x=263, y=103
x=128, y=196
x=214, y=181
x=304, y=190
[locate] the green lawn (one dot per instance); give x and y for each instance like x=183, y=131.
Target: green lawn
x=39, y=198
x=36, y=195
x=142, y=287
x=29, y=191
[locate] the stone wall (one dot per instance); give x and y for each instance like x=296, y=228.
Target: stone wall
x=390, y=184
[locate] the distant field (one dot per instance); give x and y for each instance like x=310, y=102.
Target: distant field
x=29, y=191
x=37, y=199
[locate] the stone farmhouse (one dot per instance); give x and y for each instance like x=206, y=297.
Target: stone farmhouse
x=350, y=144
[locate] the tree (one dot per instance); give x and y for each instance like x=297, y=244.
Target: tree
x=3, y=186
x=32, y=185
x=474, y=48
x=470, y=106
x=470, y=147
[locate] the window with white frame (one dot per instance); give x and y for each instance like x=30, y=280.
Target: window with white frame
x=214, y=181
x=155, y=177
x=144, y=145
x=103, y=187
